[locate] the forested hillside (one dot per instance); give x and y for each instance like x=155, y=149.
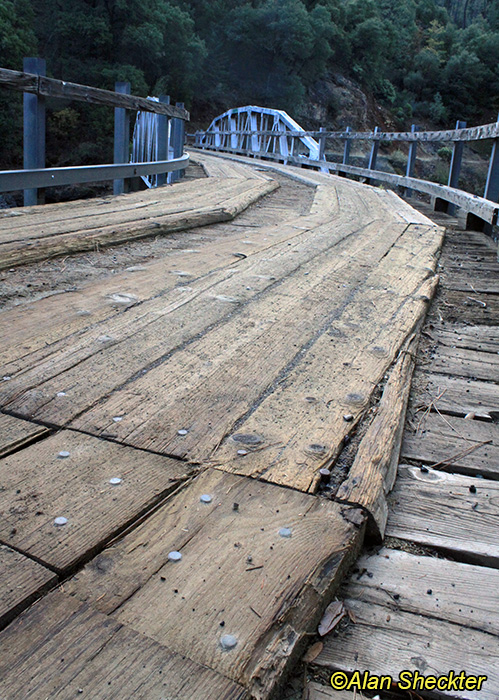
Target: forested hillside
x=435, y=60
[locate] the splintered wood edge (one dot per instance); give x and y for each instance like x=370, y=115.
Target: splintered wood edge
x=373, y=473
x=285, y=641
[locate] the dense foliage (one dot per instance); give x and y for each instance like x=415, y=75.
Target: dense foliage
x=434, y=59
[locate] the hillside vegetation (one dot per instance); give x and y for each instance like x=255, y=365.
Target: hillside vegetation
x=421, y=59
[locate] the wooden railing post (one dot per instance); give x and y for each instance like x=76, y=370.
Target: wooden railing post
x=346, y=150
x=121, y=135
x=411, y=160
x=162, y=136
x=34, y=130
x=492, y=184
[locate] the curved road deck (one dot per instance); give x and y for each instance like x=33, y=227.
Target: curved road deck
x=232, y=369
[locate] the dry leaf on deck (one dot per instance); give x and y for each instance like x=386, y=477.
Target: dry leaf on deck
x=333, y=614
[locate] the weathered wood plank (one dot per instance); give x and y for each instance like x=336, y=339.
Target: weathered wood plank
x=146, y=333
x=480, y=283
x=466, y=363
x=34, y=225
x=69, y=312
x=458, y=307
x=455, y=395
x=22, y=580
x=40, y=484
x=297, y=416
x=386, y=642
x=62, y=649
x=483, y=338
x=374, y=469
x=22, y=251
x=16, y=433
x=457, y=445
x=208, y=399
x=237, y=575
x=439, y=510
x=401, y=581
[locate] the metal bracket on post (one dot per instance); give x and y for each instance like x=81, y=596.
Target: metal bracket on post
x=121, y=135
x=455, y=165
x=411, y=160
x=162, y=136
x=34, y=130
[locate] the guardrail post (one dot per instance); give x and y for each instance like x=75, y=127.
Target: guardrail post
x=374, y=153
x=34, y=130
x=322, y=143
x=162, y=136
x=411, y=160
x=455, y=165
x=322, y=148
x=492, y=184
x=121, y=135
x=346, y=151
x=177, y=137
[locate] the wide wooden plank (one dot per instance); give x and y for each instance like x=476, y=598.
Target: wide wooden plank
x=65, y=314
x=388, y=641
x=439, y=510
x=149, y=331
x=22, y=580
x=16, y=433
x=277, y=324
x=68, y=475
x=301, y=428
x=456, y=445
x=31, y=223
x=483, y=338
x=402, y=581
x=455, y=395
x=466, y=363
x=238, y=575
x=71, y=311
x=23, y=251
x=374, y=469
x=61, y=649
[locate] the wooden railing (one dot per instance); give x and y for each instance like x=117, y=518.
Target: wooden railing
x=482, y=211
x=36, y=87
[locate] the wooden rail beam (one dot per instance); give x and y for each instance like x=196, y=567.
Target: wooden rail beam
x=475, y=133
x=49, y=87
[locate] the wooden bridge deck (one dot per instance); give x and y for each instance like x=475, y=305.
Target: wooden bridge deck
x=427, y=600
x=234, y=366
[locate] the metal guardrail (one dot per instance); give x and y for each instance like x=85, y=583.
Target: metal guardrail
x=36, y=87
x=11, y=180
x=232, y=134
